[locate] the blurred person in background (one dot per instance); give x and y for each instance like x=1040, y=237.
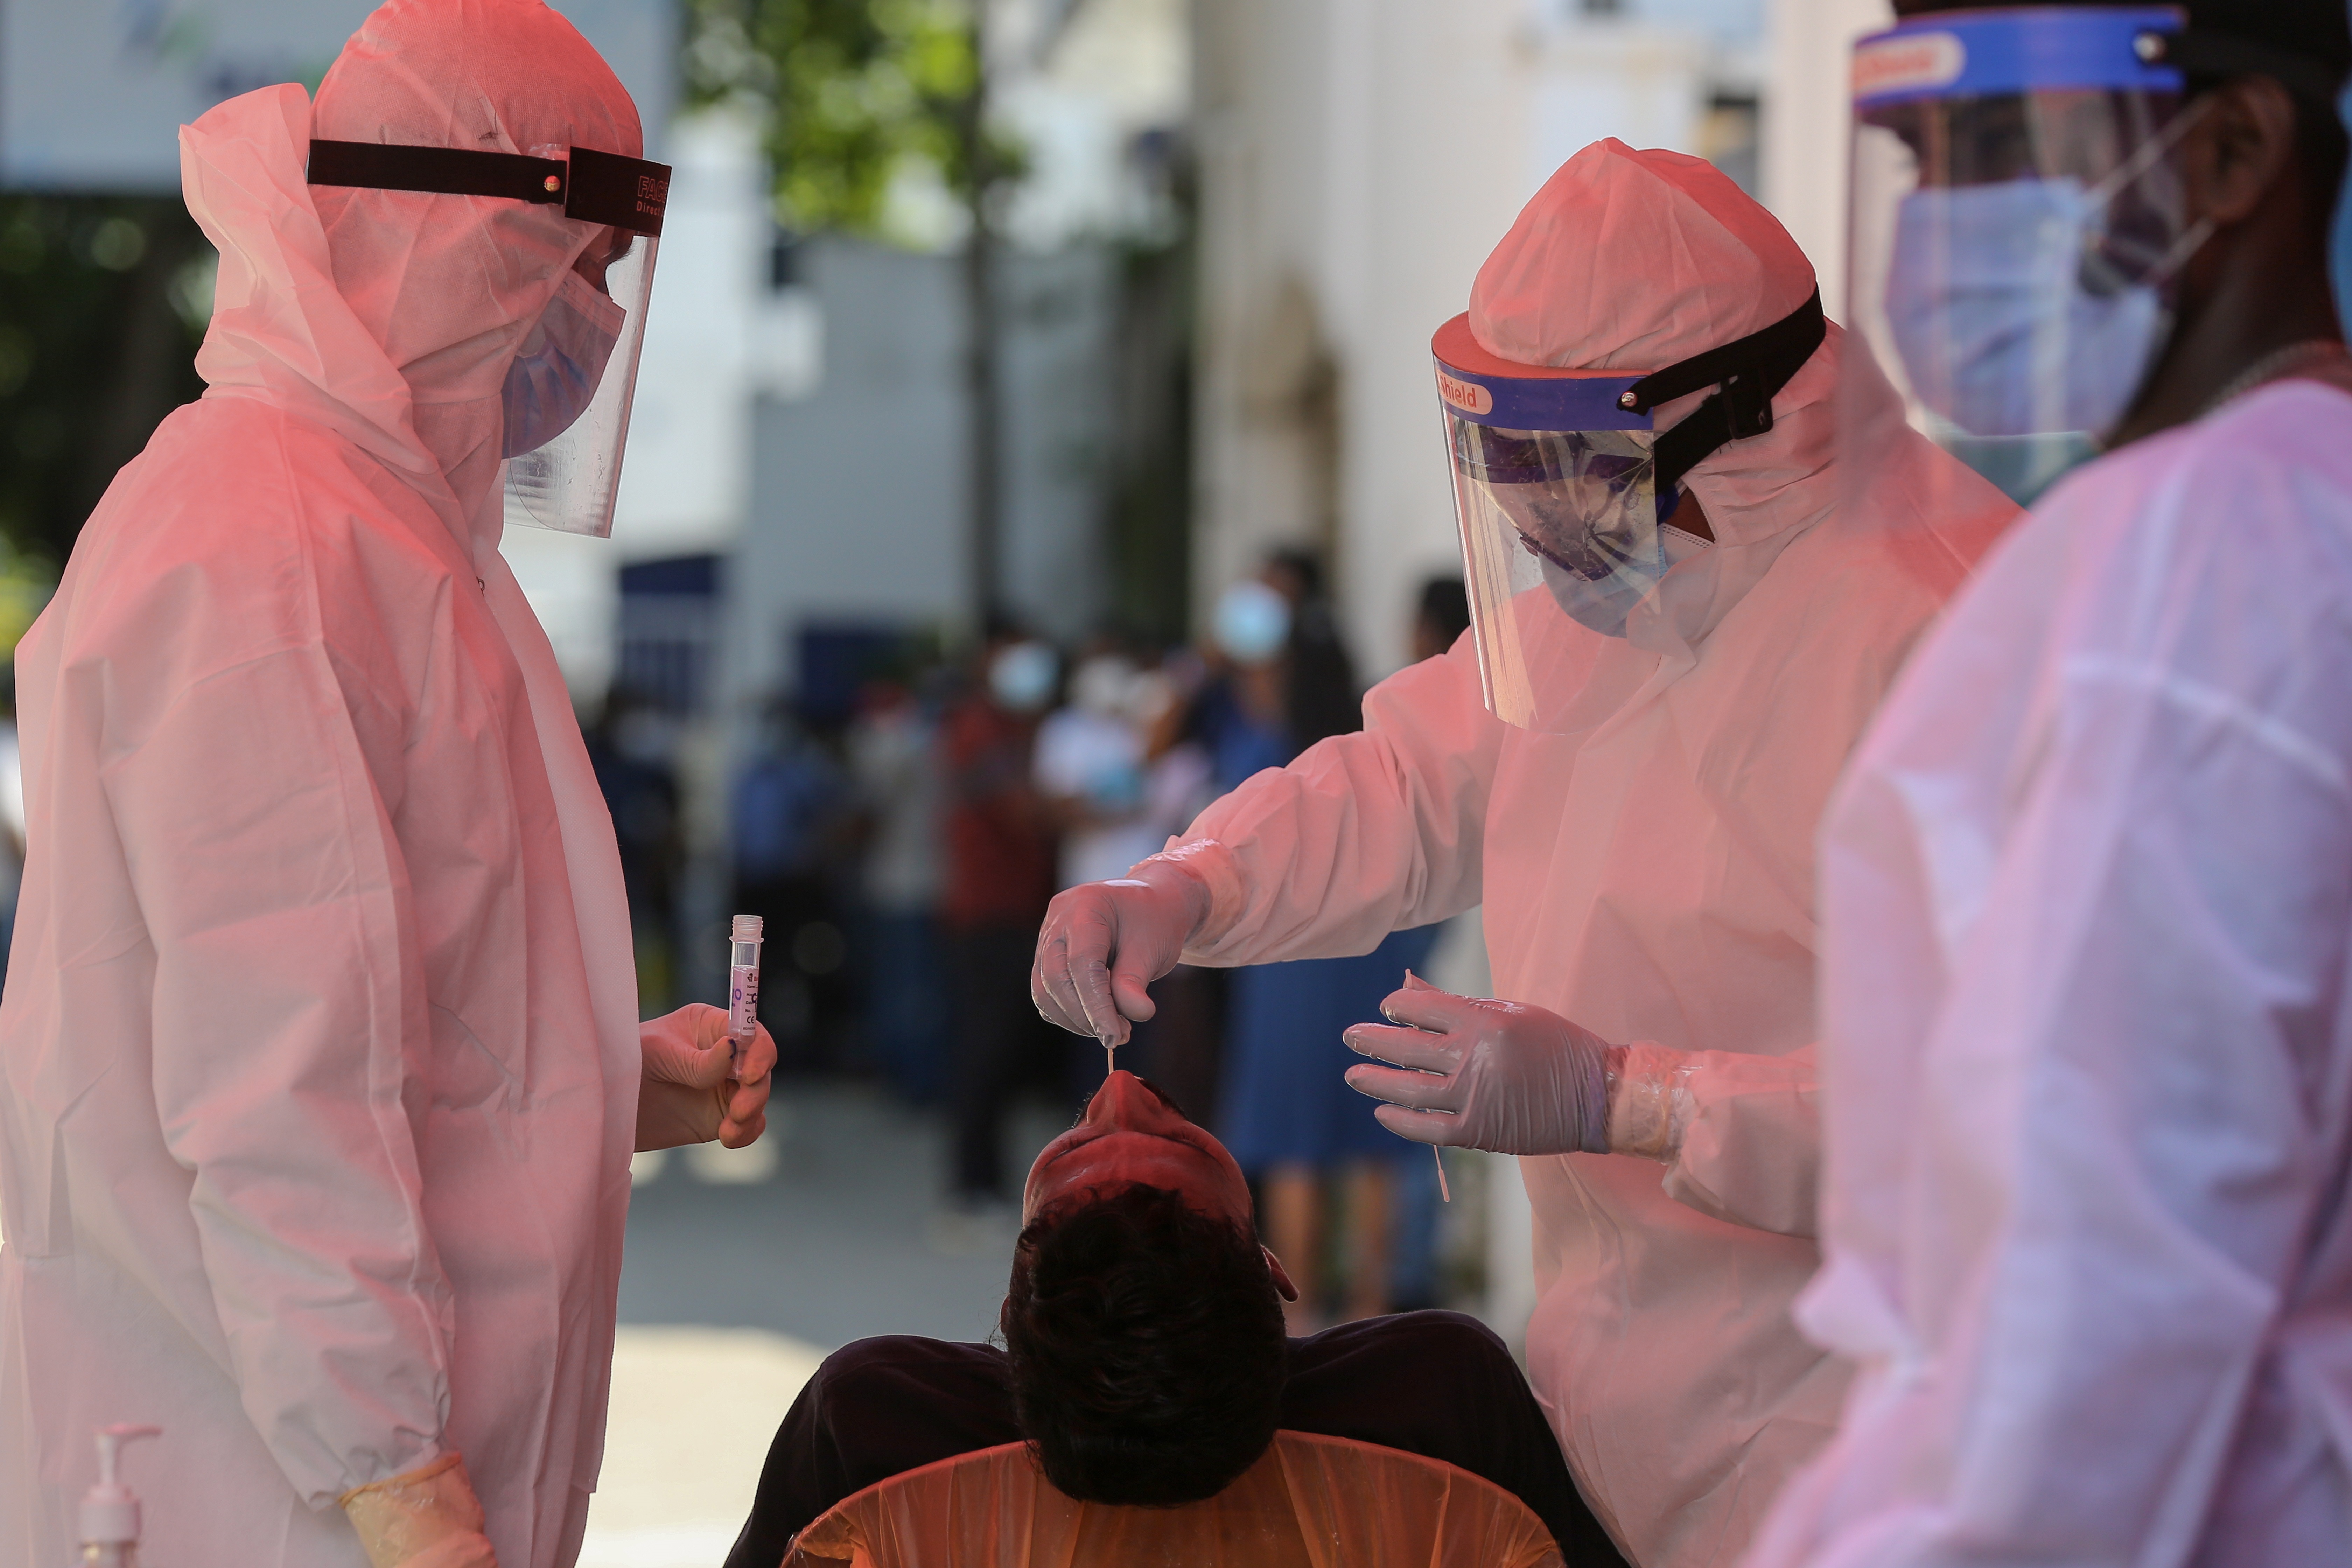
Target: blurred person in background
x=785, y=817
x=1441, y=615
x=897, y=798
x=630, y=747
x=1311, y=1143
x=1001, y=853
x=1094, y=767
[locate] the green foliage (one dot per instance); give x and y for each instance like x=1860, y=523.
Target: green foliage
x=102, y=302
x=855, y=91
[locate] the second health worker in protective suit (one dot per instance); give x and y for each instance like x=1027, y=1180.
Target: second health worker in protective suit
x=1625, y=762
x=322, y=1064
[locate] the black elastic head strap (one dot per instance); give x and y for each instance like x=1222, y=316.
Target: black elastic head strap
x=1751, y=372
x=2201, y=51
x=594, y=187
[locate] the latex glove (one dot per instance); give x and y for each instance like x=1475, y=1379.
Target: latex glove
x=688, y=1095
x=1103, y=942
x=428, y=1518
x=1475, y=1073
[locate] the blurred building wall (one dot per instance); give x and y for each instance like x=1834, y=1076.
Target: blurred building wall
x=1359, y=159
x=858, y=482
x=92, y=91
x=1807, y=118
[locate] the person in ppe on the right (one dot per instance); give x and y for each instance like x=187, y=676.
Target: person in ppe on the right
x=1678, y=630
x=2087, y=887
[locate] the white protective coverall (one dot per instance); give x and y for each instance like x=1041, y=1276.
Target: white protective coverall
x=1647, y=871
x=2088, y=899
x=320, y=1038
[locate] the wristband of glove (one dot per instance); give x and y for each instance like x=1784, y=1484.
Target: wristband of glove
x=1650, y=1104
x=428, y=1518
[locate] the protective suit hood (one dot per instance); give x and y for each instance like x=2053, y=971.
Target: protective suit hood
x=391, y=316
x=1636, y=260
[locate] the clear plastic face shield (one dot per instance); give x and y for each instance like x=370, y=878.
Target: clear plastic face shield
x=1565, y=491
x=2018, y=220
x=568, y=395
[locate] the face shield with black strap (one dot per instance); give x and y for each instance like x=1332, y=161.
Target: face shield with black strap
x=1563, y=483
x=568, y=395
x=2020, y=219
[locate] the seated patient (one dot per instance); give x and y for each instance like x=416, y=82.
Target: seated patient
x=1145, y=1358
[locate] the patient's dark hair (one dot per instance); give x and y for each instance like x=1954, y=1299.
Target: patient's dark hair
x=1147, y=1348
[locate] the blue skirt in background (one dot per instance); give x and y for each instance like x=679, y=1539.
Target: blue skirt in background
x=1285, y=1100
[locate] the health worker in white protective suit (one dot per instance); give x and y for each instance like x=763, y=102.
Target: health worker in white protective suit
x=2086, y=889
x=1682, y=633
x=321, y=1054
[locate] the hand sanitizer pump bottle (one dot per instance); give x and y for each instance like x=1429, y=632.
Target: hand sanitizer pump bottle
x=109, y=1512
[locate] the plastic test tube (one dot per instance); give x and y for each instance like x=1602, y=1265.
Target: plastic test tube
x=743, y=987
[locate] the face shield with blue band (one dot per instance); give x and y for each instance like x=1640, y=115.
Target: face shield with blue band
x=1563, y=482
x=568, y=394
x=2019, y=217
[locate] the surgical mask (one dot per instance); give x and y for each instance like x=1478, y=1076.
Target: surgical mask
x=2019, y=310
x=1604, y=602
x=1253, y=622
x=554, y=375
x=1022, y=677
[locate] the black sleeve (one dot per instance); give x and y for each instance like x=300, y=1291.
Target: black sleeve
x=873, y=1410
x=1442, y=1385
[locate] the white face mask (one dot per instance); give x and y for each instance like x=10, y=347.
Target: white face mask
x=1022, y=676
x=1253, y=622
x=554, y=375
x=1604, y=604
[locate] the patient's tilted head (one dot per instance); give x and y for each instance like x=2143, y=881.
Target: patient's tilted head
x=1143, y=1326
x=1147, y=1348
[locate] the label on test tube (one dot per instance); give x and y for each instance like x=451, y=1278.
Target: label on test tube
x=743, y=988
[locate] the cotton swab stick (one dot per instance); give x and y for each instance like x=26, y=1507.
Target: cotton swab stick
x=1436, y=1155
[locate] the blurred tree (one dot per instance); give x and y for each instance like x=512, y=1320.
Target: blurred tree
x=856, y=94
x=860, y=95
x=102, y=302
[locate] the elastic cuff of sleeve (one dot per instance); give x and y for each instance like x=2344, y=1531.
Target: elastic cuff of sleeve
x=421, y=1518
x=1212, y=866
x=1650, y=1104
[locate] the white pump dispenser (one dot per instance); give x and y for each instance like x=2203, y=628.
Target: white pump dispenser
x=109, y=1512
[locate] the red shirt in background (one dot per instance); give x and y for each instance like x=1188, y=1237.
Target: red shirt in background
x=1000, y=850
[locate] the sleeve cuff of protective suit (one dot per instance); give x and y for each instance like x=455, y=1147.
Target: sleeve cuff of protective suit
x=426, y=1517
x=1213, y=866
x=1650, y=1101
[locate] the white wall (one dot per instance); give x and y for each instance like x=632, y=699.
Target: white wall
x=1807, y=118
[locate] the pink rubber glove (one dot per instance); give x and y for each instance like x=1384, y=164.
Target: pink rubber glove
x=1475, y=1073
x=687, y=1096
x=1103, y=942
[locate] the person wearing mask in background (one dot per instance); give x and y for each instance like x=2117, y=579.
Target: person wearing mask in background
x=1441, y=615
x=785, y=821
x=1092, y=764
x=1675, y=696
x=1282, y=1106
x=2087, y=887
x=321, y=1058
x=1000, y=874
x=895, y=784
x=629, y=746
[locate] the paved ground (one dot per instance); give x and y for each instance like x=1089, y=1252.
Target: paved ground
x=833, y=1236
